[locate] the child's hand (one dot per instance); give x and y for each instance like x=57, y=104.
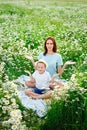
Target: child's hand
x=28, y=72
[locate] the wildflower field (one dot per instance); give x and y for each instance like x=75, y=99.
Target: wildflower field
x=24, y=26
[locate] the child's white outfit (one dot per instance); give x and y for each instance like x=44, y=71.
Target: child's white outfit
x=42, y=81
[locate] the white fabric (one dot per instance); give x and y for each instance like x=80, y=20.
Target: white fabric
x=42, y=80
x=37, y=105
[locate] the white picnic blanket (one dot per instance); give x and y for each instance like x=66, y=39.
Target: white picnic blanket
x=38, y=105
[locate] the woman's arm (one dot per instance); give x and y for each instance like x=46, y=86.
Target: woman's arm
x=61, y=69
x=32, y=60
x=53, y=77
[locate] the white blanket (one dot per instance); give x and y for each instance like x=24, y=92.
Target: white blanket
x=38, y=105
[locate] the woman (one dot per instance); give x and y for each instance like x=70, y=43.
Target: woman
x=53, y=59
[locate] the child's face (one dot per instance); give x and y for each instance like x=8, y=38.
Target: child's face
x=41, y=67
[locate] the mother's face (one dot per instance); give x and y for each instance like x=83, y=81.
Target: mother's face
x=49, y=45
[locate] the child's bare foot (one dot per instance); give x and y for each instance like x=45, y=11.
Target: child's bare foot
x=34, y=95
x=39, y=96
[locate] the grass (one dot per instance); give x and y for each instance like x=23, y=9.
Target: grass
x=24, y=26
x=31, y=22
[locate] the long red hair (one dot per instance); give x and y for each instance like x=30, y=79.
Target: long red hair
x=54, y=43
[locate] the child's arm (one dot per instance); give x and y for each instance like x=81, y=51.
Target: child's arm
x=31, y=77
x=28, y=72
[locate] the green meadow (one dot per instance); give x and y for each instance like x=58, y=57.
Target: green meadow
x=24, y=26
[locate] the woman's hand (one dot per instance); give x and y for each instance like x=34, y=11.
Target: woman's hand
x=29, y=57
x=70, y=63
x=32, y=60
x=61, y=70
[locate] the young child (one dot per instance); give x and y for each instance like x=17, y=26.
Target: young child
x=40, y=81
